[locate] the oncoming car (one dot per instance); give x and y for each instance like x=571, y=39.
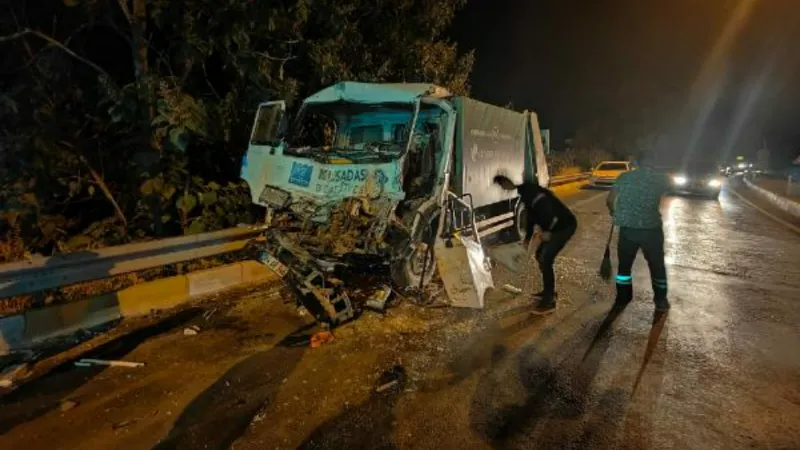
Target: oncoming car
x=699, y=179
x=607, y=172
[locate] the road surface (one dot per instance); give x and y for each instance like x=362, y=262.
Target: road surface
x=721, y=371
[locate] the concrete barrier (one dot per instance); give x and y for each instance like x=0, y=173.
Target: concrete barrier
x=780, y=202
x=24, y=330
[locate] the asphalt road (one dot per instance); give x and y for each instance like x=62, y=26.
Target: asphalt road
x=720, y=371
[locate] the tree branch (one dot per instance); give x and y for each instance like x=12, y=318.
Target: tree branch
x=100, y=182
x=58, y=44
x=274, y=58
x=208, y=82
x=123, y=5
x=16, y=35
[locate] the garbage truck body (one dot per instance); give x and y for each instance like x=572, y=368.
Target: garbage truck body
x=367, y=177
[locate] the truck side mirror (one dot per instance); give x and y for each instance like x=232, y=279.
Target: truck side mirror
x=270, y=124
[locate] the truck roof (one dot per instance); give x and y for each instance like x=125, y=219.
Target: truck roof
x=351, y=91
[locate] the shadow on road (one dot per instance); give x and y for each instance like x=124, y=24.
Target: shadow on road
x=659, y=322
x=224, y=411
x=601, y=338
x=554, y=407
x=40, y=396
x=368, y=425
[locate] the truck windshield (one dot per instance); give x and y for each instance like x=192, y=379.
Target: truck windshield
x=352, y=132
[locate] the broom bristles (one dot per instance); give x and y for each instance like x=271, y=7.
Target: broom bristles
x=605, y=266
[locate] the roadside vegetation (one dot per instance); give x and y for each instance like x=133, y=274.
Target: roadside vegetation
x=126, y=120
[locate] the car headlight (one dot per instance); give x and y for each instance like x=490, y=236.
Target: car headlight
x=679, y=180
x=715, y=183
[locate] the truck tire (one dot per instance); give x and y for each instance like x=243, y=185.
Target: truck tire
x=520, y=216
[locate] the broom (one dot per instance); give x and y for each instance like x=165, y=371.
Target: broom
x=605, y=266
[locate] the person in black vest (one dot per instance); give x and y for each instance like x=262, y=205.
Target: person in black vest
x=557, y=224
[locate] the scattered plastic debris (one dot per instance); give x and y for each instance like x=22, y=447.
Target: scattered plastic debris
x=67, y=405
x=207, y=315
x=191, y=331
x=103, y=362
x=323, y=337
x=391, y=378
x=512, y=289
x=378, y=299
x=122, y=424
x=388, y=385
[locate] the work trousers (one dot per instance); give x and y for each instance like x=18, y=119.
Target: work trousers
x=651, y=242
x=546, y=257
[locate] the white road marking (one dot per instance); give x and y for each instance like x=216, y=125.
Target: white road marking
x=794, y=228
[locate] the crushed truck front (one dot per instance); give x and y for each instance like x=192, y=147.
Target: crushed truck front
x=343, y=182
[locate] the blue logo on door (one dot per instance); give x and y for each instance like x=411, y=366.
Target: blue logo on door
x=300, y=174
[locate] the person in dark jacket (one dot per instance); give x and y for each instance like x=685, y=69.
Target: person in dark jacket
x=557, y=224
x=634, y=204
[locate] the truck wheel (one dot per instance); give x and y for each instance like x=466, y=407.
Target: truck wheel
x=407, y=272
x=520, y=217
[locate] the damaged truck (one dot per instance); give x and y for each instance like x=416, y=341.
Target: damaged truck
x=388, y=182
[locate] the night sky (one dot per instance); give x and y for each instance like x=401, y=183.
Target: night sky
x=712, y=76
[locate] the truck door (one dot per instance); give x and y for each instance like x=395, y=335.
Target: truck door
x=460, y=258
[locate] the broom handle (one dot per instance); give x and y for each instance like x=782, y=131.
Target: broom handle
x=610, y=235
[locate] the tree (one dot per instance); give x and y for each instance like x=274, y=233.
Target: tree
x=123, y=119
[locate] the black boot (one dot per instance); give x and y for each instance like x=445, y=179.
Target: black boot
x=660, y=295
x=624, y=294
x=541, y=294
x=546, y=305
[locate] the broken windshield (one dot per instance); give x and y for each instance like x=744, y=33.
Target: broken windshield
x=351, y=132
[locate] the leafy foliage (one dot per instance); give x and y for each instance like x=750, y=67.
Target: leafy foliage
x=127, y=119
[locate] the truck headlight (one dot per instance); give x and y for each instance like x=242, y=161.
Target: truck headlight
x=274, y=197
x=679, y=180
x=715, y=183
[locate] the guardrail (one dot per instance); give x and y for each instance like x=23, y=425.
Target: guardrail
x=41, y=273
x=556, y=181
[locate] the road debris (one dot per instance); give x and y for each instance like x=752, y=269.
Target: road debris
x=207, y=315
x=386, y=386
x=378, y=299
x=391, y=378
x=512, y=289
x=85, y=362
x=67, y=405
x=323, y=337
x=122, y=424
x=13, y=374
x=191, y=331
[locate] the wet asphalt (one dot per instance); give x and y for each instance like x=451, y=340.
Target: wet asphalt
x=720, y=371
